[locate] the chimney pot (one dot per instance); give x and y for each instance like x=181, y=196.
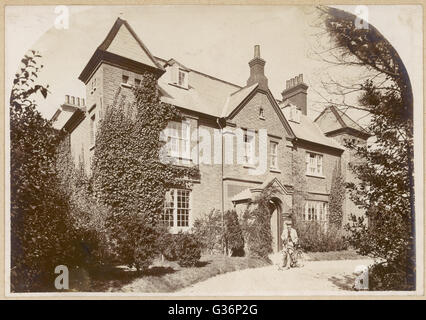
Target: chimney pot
x=296, y=92
x=257, y=51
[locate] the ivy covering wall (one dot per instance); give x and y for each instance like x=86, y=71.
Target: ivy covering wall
x=128, y=175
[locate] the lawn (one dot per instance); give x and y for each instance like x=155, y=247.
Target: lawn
x=349, y=254
x=163, y=276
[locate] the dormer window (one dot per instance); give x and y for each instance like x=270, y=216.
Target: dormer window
x=179, y=76
x=182, y=79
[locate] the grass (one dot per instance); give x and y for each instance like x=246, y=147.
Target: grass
x=349, y=254
x=161, y=277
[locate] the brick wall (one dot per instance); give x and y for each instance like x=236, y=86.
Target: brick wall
x=207, y=193
x=248, y=118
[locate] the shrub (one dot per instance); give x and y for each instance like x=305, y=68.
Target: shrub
x=209, y=231
x=186, y=249
x=314, y=237
x=256, y=224
x=42, y=235
x=166, y=243
x=233, y=234
x=386, y=276
x=135, y=240
x=257, y=231
x=337, y=197
x=87, y=216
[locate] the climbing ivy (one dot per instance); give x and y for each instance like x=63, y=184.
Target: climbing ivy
x=128, y=175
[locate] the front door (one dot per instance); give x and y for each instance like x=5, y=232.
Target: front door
x=275, y=228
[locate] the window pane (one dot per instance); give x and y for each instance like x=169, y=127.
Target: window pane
x=274, y=154
x=167, y=217
x=249, y=148
x=183, y=208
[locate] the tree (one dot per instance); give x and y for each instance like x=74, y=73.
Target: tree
x=337, y=197
x=385, y=189
x=128, y=174
x=257, y=224
x=233, y=234
x=41, y=235
x=208, y=229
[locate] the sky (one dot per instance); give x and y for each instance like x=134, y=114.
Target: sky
x=217, y=40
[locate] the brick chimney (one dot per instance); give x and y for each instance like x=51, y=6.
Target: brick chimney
x=257, y=70
x=296, y=92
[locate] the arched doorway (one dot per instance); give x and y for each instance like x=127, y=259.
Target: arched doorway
x=275, y=210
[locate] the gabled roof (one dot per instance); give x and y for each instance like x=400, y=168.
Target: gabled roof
x=112, y=44
x=115, y=48
x=247, y=95
x=340, y=121
x=236, y=98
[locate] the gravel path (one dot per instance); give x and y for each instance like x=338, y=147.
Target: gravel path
x=315, y=277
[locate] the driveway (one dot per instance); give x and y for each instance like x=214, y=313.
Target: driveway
x=314, y=278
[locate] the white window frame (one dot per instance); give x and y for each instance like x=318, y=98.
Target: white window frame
x=184, y=83
x=316, y=211
x=178, y=138
x=314, y=164
x=178, y=207
x=273, y=145
x=249, y=147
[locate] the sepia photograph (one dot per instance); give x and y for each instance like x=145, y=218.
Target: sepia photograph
x=214, y=150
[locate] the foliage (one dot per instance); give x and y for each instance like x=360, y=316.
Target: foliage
x=337, y=197
x=185, y=249
x=300, y=185
x=128, y=174
x=233, y=234
x=134, y=239
x=256, y=224
x=315, y=237
x=383, y=276
x=165, y=243
x=42, y=236
x=209, y=231
x=87, y=216
x=385, y=189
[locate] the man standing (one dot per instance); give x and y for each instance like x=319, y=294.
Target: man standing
x=290, y=241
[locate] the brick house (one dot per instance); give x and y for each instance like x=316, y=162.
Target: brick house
x=221, y=119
